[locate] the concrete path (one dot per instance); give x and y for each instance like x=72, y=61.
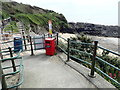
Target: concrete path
x=41, y=71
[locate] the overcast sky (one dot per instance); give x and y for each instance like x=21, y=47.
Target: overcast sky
x=91, y=11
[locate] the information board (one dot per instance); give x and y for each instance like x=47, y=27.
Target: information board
x=38, y=42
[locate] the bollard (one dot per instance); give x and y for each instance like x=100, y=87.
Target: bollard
x=24, y=40
x=93, y=60
x=32, y=53
x=68, y=50
x=13, y=63
x=57, y=39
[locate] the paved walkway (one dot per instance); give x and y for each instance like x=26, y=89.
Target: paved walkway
x=41, y=71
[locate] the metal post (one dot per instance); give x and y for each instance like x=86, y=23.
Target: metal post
x=4, y=84
x=13, y=63
x=2, y=78
x=24, y=40
x=44, y=41
x=27, y=38
x=68, y=50
x=32, y=53
x=93, y=60
x=1, y=53
x=44, y=36
x=57, y=39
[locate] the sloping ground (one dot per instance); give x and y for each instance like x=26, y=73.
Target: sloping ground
x=41, y=71
x=98, y=81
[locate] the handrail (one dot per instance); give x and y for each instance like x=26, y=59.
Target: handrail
x=19, y=83
x=97, y=58
x=10, y=67
x=63, y=50
x=7, y=51
x=108, y=50
x=107, y=63
x=107, y=75
x=81, y=51
x=80, y=60
x=6, y=42
x=81, y=43
x=62, y=38
x=20, y=70
x=16, y=57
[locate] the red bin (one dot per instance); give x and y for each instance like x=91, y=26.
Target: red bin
x=50, y=46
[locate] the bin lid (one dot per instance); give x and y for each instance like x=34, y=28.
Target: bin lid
x=17, y=37
x=49, y=39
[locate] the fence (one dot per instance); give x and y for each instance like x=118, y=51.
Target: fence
x=16, y=70
x=30, y=43
x=84, y=53
x=87, y=54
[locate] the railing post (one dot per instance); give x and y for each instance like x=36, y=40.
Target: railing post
x=12, y=60
x=24, y=40
x=68, y=50
x=1, y=53
x=57, y=39
x=93, y=60
x=44, y=36
x=32, y=53
x=4, y=85
x=27, y=38
x=3, y=82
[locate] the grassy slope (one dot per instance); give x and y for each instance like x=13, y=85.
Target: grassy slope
x=33, y=15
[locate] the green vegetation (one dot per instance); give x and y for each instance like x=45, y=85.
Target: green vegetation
x=113, y=73
x=5, y=15
x=32, y=16
x=11, y=27
x=41, y=20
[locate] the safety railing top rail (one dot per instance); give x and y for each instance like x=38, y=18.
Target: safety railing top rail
x=62, y=38
x=108, y=63
x=108, y=50
x=82, y=43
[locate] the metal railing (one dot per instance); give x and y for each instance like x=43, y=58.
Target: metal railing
x=17, y=69
x=93, y=61
x=90, y=56
x=28, y=43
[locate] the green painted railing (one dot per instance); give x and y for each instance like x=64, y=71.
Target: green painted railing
x=19, y=70
x=67, y=50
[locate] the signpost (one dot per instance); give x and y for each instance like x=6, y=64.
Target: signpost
x=50, y=27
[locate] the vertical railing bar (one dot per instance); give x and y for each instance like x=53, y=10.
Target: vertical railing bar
x=12, y=60
x=57, y=39
x=93, y=60
x=68, y=50
x=32, y=53
x=24, y=40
